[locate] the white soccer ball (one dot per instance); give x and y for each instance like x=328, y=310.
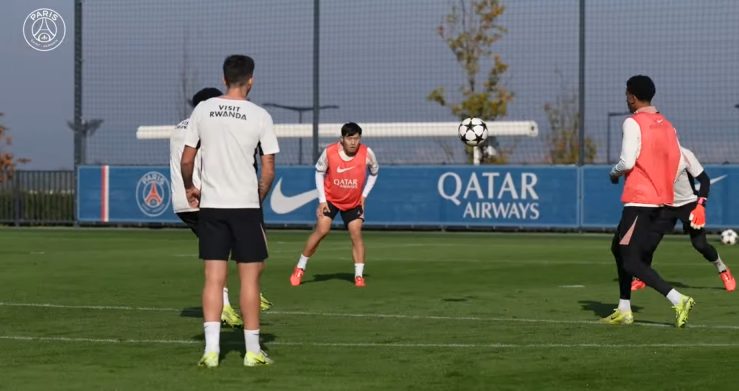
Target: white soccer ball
x=473, y=131
x=728, y=237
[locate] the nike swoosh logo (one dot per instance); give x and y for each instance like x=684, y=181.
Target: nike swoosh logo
x=718, y=179
x=340, y=169
x=282, y=204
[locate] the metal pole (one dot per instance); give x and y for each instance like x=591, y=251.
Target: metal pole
x=581, y=92
x=316, y=102
x=78, y=158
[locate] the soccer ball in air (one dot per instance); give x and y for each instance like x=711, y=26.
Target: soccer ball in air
x=728, y=237
x=473, y=131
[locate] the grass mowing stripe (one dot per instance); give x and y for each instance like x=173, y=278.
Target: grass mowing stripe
x=376, y=316
x=373, y=344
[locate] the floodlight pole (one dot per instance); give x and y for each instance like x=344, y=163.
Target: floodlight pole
x=581, y=89
x=78, y=157
x=316, y=85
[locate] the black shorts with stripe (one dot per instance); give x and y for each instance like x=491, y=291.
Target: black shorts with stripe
x=237, y=233
x=347, y=215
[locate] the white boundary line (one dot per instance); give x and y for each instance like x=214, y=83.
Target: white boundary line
x=373, y=344
x=370, y=316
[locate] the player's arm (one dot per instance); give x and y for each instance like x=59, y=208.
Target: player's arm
x=374, y=170
x=321, y=170
x=630, y=148
x=187, y=162
x=267, y=175
x=695, y=170
x=269, y=147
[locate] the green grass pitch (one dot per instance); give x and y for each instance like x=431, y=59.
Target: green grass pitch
x=105, y=309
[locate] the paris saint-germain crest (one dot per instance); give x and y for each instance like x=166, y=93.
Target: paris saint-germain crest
x=153, y=193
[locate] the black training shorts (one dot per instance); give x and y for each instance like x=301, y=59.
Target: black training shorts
x=347, y=215
x=235, y=232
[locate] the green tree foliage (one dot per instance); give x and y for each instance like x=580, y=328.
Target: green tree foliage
x=8, y=161
x=470, y=30
x=564, y=122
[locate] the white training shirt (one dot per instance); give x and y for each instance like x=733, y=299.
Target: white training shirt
x=229, y=131
x=176, y=147
x=689, y=164
x=322, y=167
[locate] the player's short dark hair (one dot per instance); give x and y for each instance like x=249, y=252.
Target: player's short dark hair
x=205, y=94
x=350, y=129
x=642, y=87
x=237, y=69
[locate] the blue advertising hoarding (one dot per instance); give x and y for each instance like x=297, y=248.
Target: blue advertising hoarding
x=409, y=196
x=443, y=196
x=601, y=200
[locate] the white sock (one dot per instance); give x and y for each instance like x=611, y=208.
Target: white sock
x=225, y=297
x=358, y=269
x=674, y=297
x=251, y=338
x=212, y=336
x=303, y=261
x=624, y=305
x=719, y=265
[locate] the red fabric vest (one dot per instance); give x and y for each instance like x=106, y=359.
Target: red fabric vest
x=652, y=179
x=344, y=180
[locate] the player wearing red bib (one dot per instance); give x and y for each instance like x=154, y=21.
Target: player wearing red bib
x=343, y=186
x=650, y=161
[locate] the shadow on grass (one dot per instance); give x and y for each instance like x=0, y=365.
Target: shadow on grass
x=349, y=277
x=680, y=285
x=232, y=340
x=603, y=309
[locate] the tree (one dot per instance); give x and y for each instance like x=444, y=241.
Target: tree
x=470, y=30
x=564, y=122
x=8, y=162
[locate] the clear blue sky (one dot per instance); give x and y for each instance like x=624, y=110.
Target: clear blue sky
x=379, y=61
x=36, y=88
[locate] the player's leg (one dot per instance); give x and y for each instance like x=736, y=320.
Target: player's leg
x=250, y=251
x=622, y=314
x=250, y=301
x=215, y=275
x=323, y=227
x=214, y=249
x=700, y=243
x=228, y=315
x=354, y=219
x=665, y=222
x=633, y=247
x=264, y=304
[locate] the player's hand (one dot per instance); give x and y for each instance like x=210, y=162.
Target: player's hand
x=193, y=196
x=698, y=217
x=614, y=179
x=322, y=209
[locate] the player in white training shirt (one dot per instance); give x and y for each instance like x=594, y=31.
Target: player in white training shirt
x=688, y=207
x=188, y=214
x=228, y=130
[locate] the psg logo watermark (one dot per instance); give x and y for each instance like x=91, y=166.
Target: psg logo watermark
x=153, y=193
x=44, y=29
